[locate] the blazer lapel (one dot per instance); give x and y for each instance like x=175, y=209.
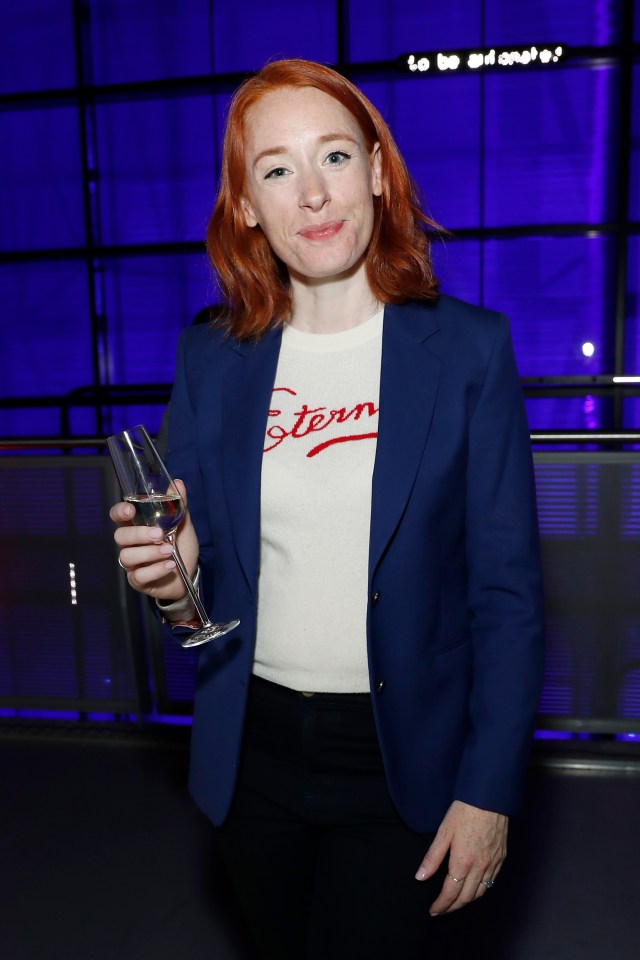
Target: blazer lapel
x=408, y=389
x=246, y=398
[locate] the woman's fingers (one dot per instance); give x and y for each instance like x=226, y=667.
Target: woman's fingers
x=157, y=579
x=121, y=512
x=146, y=558
x=137, y=536
x=144, y=555
x=476, y=841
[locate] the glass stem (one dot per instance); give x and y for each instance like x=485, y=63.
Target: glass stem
x=193, y=593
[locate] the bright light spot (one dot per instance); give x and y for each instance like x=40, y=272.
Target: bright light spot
x=588, y=349
x=72, y=585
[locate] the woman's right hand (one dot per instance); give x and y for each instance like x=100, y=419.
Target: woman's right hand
x=147, y=560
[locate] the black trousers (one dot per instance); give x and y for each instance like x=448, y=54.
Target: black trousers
x=322, y=863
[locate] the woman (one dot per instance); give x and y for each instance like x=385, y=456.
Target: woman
x=358, y=469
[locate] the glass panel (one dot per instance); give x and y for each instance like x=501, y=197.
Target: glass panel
x=436, y=123
x=149, y=300
x=383, y=29
x=49, y=350
x=457, y=265
x=632, y=364
x=569, y=413
x=247, y=34
x=550, y=146
x=547, y=21
x=40, y=180
x=147, y=40
x=29, y=422
x=558, y=293
x=156, y=161
x=37, y=46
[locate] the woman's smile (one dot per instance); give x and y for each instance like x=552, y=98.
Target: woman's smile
x=322, y=231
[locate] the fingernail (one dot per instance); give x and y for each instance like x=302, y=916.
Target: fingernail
x=155, y=533
x=166, y=549
x=129, y=510
x=170, y=564
x=434, y=914
x=421, y=874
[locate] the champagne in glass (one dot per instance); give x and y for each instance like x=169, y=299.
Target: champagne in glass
x=146, y=484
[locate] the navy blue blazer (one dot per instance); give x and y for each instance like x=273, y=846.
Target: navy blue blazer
x=454, y=621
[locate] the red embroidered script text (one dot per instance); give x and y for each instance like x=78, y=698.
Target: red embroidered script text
x=307, y=420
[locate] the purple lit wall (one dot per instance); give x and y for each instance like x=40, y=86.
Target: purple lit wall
x=515, y=152
x=108, y=169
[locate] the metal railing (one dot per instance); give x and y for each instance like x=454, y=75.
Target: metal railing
x=106, y=653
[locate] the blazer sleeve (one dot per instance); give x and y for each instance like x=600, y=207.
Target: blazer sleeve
x=504, y=588
x=182, y=457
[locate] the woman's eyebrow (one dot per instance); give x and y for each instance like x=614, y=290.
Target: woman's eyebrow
x=325, y=138
x=269, y=152
x=328, y=137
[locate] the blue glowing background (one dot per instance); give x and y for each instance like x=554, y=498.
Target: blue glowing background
x=514, y=154
x=517, y=150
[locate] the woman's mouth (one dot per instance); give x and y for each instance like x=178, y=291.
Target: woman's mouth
x=322, y=231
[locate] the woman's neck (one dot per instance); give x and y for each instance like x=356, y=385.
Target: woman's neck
x=333, y=304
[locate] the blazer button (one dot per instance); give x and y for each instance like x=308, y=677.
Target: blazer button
x=375, y=598
x=379, y=686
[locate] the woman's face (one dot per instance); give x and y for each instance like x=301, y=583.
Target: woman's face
x=310, y=182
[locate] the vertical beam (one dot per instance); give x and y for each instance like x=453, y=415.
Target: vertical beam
x=342, y=33
x=92, y=231
x=623, y=177
x=217, y=153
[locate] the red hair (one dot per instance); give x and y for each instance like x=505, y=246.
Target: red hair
x=254, y=281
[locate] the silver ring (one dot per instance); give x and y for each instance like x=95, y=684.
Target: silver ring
x=121, y=564
x=488, y=883
x=457, y=879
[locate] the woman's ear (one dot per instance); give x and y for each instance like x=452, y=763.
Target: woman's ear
x=247, y=211
x=376, y=171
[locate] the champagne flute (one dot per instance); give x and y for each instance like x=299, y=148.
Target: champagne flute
x=146, y=484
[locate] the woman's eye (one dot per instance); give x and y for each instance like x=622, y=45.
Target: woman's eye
x=337, y=157
x=276, y=174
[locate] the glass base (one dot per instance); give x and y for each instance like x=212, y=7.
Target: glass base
x=209, y=632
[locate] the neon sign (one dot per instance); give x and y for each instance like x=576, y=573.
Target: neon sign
x=477, y=60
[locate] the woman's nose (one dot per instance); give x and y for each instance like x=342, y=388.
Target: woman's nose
x=314, y=192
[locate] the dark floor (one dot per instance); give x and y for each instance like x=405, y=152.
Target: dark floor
x=104, y=857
